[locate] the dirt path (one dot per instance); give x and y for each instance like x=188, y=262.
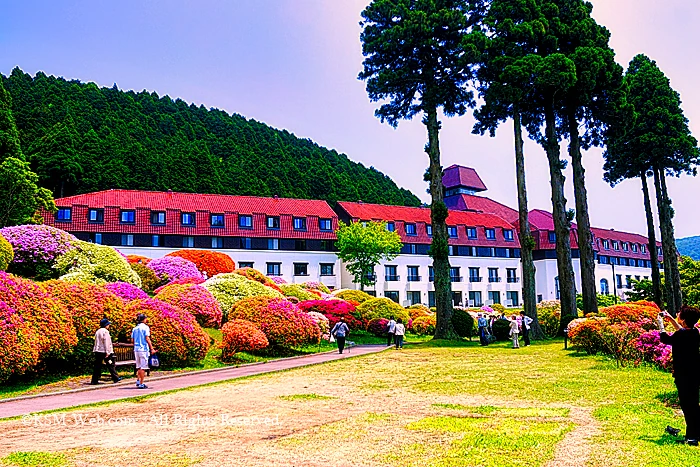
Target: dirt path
x=575, y=449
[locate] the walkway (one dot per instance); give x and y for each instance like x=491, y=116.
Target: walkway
x=112, y=392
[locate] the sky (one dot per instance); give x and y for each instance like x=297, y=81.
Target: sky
x=293, y=64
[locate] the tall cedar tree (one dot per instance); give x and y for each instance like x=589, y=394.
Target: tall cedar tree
x=419, y=57
x=657, y=143
x=591, y=103
x=504, y=83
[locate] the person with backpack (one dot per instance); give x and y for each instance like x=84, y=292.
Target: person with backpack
x=340, y=331
x=391, y=327
x=399, y=333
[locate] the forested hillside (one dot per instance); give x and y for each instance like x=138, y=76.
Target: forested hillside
x=80, y=138
x=689, y=246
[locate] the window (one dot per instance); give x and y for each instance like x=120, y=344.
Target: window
x=625, y=246
x=155, y=240
x=413, y=275
x=217, y=220
x=273, y=269
x=246, y=243
x=96, y=238
x=300, y=245
x=643, y=248
x=413, y=297
x=557, y=292
x=603, y=259
x=493, y=275
x=391, y=274
x=327, y=245
x=604, y=287
x=618, y=278
x=494, y=297
x=412, y=248
x=299, y=223
x=410, y=229
x=450, y=250
x=452, y=231
x=511, y=275
x=628, y=282
x=158, y=217
x=616, y=245
x=552, y=237
x=606, y=244
x=634, y=247
x=490, y=234
x=127, y=217
x=245, y=222
x=512, y=298
x=475, y=299
x=429, y=230
x=273, y=244
x=637, y=278
x=431, y=298
x=390, y=226
x=273, y=222
x=301, y=269
x=325, y=225
x=96, y=215
x=327, y=269
x=392, y=295
x=474, y=275
x=188, y=242
x=245, y=264
x=454, y=275
x=508, y=235
x=471, y=233
x=431, y=274
x=63, y=215
x=127, y=240
x=187, y=218
x=217, y=242
x=632, y=262
x=456, y=298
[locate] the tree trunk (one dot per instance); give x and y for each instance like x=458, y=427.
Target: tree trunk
x=527, y=243
x=674, y=298
x=585, y=237
x=653, y=254
x=562, y=224
x=439, y=249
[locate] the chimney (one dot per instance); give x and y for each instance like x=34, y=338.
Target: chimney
x=276, y=197
x=359, y=201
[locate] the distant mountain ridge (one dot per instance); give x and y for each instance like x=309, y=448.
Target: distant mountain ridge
x=81, y=138
x=689, y=246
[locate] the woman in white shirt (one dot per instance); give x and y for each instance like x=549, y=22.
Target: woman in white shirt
x=514, y=331
x=399, y=333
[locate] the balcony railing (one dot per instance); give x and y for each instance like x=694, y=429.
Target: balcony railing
x=413, y=278
x=475, y=279
x=513, y=280
x=371, y=277
x=494, y=279
x=391, y=278
x=456, y=278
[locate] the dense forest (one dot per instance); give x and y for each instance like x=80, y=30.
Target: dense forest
x=689, y=246
x=81, y=138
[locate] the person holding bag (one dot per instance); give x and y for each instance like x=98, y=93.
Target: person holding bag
x=340, y=331
x=104, y=353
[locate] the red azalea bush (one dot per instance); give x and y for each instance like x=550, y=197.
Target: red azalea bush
x=18, y=350
x=208, y=262
x=283, y=323
x=334, y=310
x=195, y=299
x=587, y=334
x=134, y=259
x=175, y=334
x=378, y=326
x=619, y=341
x=187, y=280
x=126, y=291
x=257, y=276
x=54, y=333
x=631, y=312
x=149, y=280
x=240, y=335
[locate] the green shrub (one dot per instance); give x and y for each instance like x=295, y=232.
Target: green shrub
x=298, y=291
x=382, y=308
x=424, y=325
x=356, y=295
x=501, y=329
x=7, y=254
x=603, y=301
x=96, y=264
x=463, y=323
x=149, y=280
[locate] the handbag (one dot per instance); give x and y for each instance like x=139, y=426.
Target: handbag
x=331, y=339
x=153, y=361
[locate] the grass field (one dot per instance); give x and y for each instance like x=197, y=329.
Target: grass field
x=430, y=405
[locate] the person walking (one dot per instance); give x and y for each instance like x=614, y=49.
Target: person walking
x=340, y=331
x=514, y=331
x=526, y=322
x=483, y=325
x=391, y=326
x=102, y=350
x=399, y=332
x=685, y=351
x=143, y=348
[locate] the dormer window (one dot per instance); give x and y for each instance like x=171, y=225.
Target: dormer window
x=217, y=220
x=63, y=215
x=158, y=217
x=96, y=215
x=508, y=235
x=127, y=217
x=187, y=218
x=625, y=246
x=616, y=245
x=429, y=230
x=634, y=247
x=471, y=233
x=606, y=244
x=452, y=231
x=299, y=223
x=273, y=222
x=490, y=234
x=390, y=226
x=410, y=229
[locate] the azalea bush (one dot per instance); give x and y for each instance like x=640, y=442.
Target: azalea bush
x=283, y=323
x=149, y=280
x=36, y=249
x=382, y=308
x=257, y=276
x=631, y=312
x=175, y=334
x=548, y=315
x=356, y=295
x=334, y=310
x=126, y=291
x=418, y=310
x=134, y=259
x=6, y=253
x=653, y=351
x=321, y=321
x=97, y=264
x=378, y=327
x=170, y=268
x=278, y=280
x=240, y=335
x=424, y=325
x=296, y=290
x=187, y=280
x=230, y=288
x=315, y=285
x=462, y=322
x=586, y=334
x=18, y=350
x=208, y=262
x=619, y=341
x=195, y=299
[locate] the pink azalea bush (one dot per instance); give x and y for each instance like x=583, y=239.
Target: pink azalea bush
x=378, y=326
x=196, y=300
x=126, y=291
x=172, y=268
x=653, y=351
x=278, y=280
x=334, y=310
x=321, y=321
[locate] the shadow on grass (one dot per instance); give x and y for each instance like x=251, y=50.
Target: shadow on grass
x=669, y=399
x=663, y=440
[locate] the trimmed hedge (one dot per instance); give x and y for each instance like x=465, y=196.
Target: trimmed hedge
x=382, y=308
x=209, y=263
x=463, y=323
x=228, y=289
x=240, y=335
x=195, y=299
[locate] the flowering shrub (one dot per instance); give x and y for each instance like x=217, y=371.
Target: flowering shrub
x=209, y=263
x=418, y=310
x=378, y=326
x=315, y=285
x=321, y=321
x=257, y=276
x=462, y=322
x=97, y=264
x=283, y=323
x=232, y=287
x=50, y=323
x=424, y=325
x=240, y=335
x=487, y=309
x=126, y=291
x=196, y=300
x=619, y=341
x=175, y=334
x=278, y=280
x=18, y=350
x=586, y=334
x=36, y=248
x=653, y=351
x=134, y=259
x=171, y=268
x=548, y=315
x=356, y=295
x=498, y=308
x=149, y=280
x=295, y=290
x=6, y=254
x=382, y=308
x=334, y=310
x=185, y=281
x=633, y=311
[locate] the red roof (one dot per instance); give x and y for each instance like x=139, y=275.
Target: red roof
x=623, y=237
x=482, y=204
x=457, y=175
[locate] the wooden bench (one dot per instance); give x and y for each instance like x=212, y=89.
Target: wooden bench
x=125, y=356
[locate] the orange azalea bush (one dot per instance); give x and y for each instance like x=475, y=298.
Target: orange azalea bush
x=257, y=276
x=416, y=311
x=240, y=335
x=208, y=262
x=134, y=259
x=586, y=334
x=632, y=311
x=18, y=352
x=195, y=299
x=175, y=334
x=424, y=325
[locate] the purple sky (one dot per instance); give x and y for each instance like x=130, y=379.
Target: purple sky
x=293, y=64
